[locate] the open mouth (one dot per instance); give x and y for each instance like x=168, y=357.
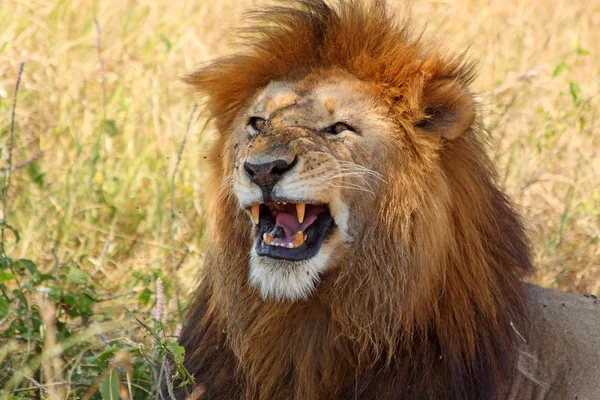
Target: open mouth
x=291, y=231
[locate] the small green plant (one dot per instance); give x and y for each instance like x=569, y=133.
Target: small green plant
x=57, y=338
x=78, y=361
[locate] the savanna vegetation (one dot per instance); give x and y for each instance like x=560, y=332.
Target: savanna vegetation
x=103, y=169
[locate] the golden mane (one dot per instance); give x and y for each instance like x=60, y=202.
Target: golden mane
x=424, y=306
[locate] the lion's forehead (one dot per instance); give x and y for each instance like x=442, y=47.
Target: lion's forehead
x=276, y=96
x=311, y=101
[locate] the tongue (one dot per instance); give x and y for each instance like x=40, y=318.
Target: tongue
x=288, y=219
x=290, y=224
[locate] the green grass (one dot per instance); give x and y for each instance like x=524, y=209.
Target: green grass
x=92, y=170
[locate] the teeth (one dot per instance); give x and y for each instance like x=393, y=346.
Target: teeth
x=268, y=239
x=271, y=241
x=300, y=209
x=255, y=213
x=299, y=239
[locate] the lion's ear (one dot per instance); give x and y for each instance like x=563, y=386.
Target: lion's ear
x=448, y=109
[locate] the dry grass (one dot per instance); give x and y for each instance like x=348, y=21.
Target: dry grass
x=93, y=167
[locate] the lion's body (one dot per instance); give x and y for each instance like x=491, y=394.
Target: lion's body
x=560, y=354
x=415, y=287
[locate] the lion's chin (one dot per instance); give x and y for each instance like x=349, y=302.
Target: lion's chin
x=285, y=280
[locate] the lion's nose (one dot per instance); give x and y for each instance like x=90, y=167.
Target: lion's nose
x=267, y=174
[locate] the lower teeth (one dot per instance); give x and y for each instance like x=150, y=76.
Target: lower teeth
x=298, y=241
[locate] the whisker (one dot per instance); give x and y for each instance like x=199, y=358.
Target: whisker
x=358, y=188
x=361, y=177
x=350, y=166
x=226, y=188
x=361, y=173
x=225, y=194
x=353, y=173
x=351, y=185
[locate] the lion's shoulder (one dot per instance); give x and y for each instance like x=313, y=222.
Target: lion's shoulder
x=561, y=355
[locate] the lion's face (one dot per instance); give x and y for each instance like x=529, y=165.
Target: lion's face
x=305, y=171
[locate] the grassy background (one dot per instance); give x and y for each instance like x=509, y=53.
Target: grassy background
x=96, y=146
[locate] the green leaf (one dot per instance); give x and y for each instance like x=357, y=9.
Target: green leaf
x=560, y=67
x=581, y=51
x=3, y=307
x=109, y=390
x=6, y=276
x=45, y=277
x=110, y=127
x=36, y=174
x=575, y=92
x=167, y=42
x=177, y=351
x=28, y=265
x=145, y=296
x=106, y=355
x=77, y=276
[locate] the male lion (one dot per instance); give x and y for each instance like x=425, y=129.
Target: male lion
x=360, y=247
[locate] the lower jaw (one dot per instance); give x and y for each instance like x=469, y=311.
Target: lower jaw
x=309, y=249
x=282, y=253
x=306, y=251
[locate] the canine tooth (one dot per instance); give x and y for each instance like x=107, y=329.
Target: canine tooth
x=255, y=213
x=300, y=209
x=284, y=203
x=299, y=239
x=268, y=239
x=290, y=245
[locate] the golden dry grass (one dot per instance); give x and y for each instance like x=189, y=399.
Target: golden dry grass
x=547, y=145
x=97, y=182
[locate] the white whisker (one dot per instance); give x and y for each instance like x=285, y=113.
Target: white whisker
x=356, y=166
x=361, y=177
x=352, y=187
x=226, y=188
x=345, y=166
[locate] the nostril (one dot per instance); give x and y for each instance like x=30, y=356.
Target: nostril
x=278, y=171
x=280, y=167
x=249, y=169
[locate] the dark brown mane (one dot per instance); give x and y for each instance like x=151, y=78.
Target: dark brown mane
x=429, y=311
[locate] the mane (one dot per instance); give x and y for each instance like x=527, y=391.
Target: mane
x=427, y=300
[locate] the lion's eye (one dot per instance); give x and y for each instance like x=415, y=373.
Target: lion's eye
x=339, y=127
x=256, y=123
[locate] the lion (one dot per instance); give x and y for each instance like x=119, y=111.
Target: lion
x=360, y=246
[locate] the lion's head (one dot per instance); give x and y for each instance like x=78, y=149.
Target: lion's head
x=352, y=196
x=308, y=165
